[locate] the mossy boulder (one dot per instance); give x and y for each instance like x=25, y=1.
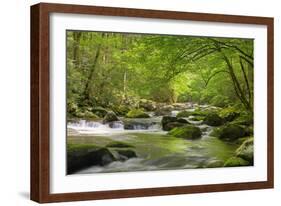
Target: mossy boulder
x=168, y=122
x=110, y=117
x=184, y=114
x=231, y=132
x=186, y=132
x=83, y=156
x=137, y=113
x=236, y=162
x=213, y=119
x=246, y=150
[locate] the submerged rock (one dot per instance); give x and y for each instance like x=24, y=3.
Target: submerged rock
x=213, y=119
x=246, y=150
x=110, y=117
x=137, y=113
x=236, y=162
x=186, y=132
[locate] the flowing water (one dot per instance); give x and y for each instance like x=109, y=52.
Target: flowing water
x=155, y=149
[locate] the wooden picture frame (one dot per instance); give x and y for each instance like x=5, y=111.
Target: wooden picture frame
x=40, y=102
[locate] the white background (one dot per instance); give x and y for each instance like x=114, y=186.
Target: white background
x=14, y=104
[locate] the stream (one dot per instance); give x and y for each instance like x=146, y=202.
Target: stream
x=155, y=149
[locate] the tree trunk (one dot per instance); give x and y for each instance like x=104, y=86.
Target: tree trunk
x=87, y=90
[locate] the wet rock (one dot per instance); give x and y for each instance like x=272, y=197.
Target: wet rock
x=181, y=120
x=85, y=157
x=116, y=124
x=186, y=132
x=137, y=124
x=213, y=119
x=231, y=132
x=119, y=145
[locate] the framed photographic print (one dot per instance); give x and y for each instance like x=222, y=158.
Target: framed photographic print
x=131, y=102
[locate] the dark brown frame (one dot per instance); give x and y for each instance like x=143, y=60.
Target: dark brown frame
x=40, y=96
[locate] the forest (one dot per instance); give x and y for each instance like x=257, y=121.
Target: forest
x=116, y=78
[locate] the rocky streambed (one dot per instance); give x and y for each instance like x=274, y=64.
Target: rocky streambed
x=186, y=138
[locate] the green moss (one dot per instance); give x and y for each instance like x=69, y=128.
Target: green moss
x=137, y=113
x=235, y=162
x=186, y=132
x=231, y=132
x=80, y=147
x=184, y=114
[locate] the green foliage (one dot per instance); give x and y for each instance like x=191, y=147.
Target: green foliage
x=116, y=71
